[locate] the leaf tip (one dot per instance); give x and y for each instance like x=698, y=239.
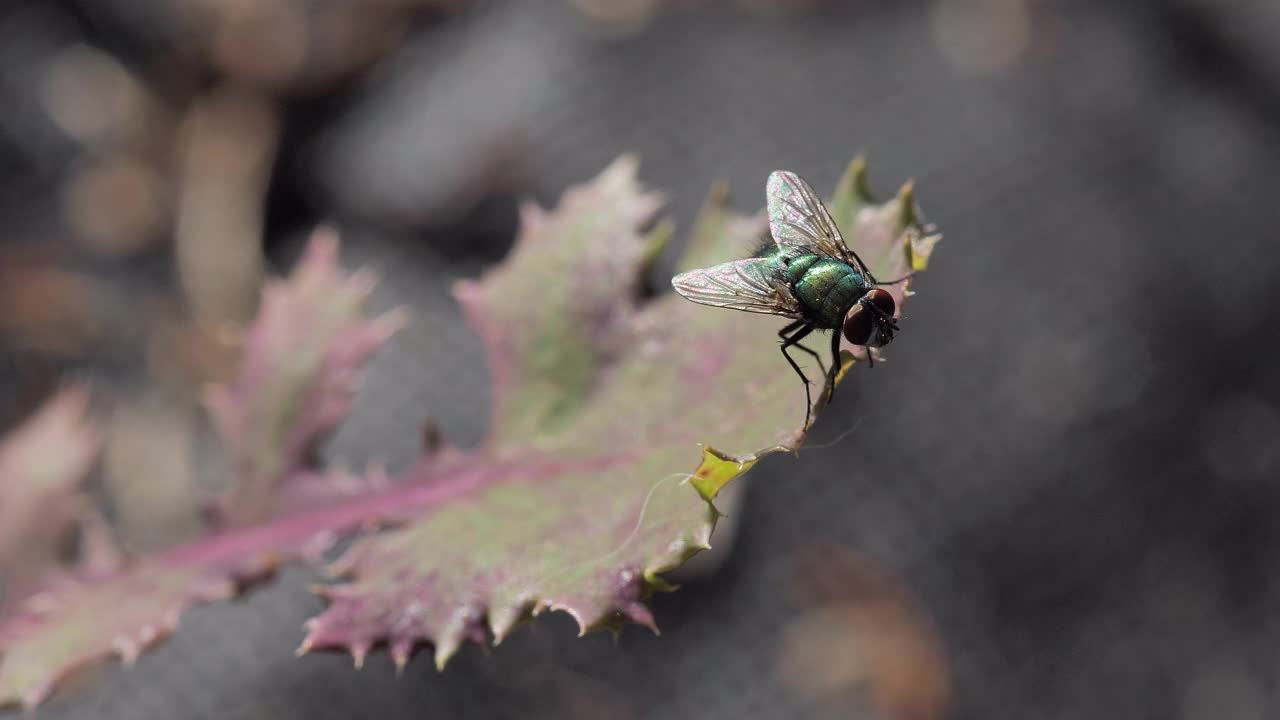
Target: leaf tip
x=640, y=614
x=390, y=323
x=583, y=626
x=126, y=649
x=30, y=703
x=531, y=217
x=906, y=202
x=920, y=247
x=401, y=652
x=324, y=242
x=657, y=240
x=467, y=624
x=359, y=651
x=32, y=699
x=468, y=292
x=716, y=470
x=659, y=583
x=625, y=166
x=856, y=180
x=445, y=650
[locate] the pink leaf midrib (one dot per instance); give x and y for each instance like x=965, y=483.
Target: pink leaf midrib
x=422, y=488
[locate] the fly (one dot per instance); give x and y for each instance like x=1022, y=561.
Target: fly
x=808, y=274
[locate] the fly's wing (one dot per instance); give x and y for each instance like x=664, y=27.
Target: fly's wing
x=754, y=285
x=799, y=220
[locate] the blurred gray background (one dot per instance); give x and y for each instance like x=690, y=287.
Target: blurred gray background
x=1069, y=462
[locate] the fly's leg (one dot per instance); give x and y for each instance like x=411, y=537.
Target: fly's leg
x=792, y=328
x=787, y=342
x=895, y=282
x=862, y=267
x=835, y=365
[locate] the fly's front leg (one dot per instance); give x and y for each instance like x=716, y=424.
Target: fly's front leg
x=835, y=365
x=908, y=276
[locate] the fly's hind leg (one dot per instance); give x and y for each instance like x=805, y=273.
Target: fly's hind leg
x=784, y=332
x=801, y=330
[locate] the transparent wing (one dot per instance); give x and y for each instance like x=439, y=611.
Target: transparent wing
x=751, y=285
x=799, y=220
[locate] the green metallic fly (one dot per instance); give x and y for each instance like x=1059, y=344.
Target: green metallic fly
x=808, y=274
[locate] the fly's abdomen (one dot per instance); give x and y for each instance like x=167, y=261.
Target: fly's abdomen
x=828, y=288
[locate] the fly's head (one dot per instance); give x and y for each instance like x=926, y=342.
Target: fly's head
x=870, y=321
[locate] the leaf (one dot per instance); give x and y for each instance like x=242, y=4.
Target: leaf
x=42, y=463
x=298, y=375
x=600, y=402
x=298, y=372
x=889, y=237
x=602, y=406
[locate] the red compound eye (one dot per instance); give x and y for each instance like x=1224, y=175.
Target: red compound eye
x=858, y=324
x=882, y=300
x=861, y=322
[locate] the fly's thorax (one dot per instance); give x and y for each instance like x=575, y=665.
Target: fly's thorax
x=827, y=288
x=798, y=266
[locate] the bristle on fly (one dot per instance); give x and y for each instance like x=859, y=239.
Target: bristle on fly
x=764, y=245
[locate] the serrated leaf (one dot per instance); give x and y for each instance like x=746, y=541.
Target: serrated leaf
x=295, y=382
x=604, y=409
x=297, y=377
x=600, y=403
x=42, y=463
x=76, y=621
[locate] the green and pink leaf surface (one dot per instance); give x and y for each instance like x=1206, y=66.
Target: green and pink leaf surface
x=616, y=420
